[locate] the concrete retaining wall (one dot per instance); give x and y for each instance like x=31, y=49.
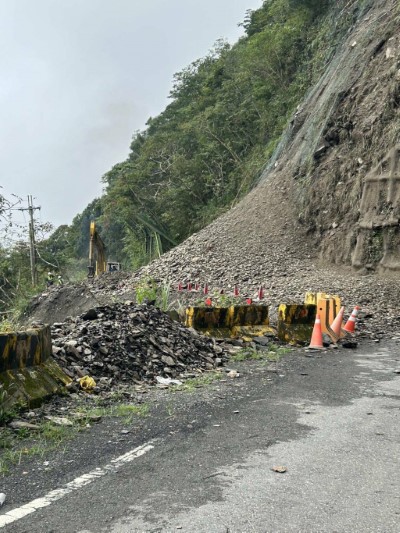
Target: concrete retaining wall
x=24, y=349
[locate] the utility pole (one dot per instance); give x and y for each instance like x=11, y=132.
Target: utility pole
x=31, y=208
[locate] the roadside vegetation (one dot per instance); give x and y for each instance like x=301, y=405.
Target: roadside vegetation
x=15, y=446
x=6, y=412
x=271, y=353
x=127, y=412
x=191, y=384
x=18, y=444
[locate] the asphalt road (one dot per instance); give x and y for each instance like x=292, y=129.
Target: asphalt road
x=204, y=462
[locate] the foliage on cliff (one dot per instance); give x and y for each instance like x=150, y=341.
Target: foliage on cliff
x=209, y=146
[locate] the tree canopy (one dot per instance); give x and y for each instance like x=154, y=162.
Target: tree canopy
x=209, y=145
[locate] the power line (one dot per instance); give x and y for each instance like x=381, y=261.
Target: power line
x=31, y=208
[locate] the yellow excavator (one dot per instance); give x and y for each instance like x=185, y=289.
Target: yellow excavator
x=98, y=263
x=97, y=253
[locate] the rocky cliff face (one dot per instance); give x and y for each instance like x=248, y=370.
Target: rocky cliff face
x=342, y=154
x=378, y=240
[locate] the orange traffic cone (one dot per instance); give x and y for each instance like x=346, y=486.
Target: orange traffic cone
x=316, y=338
x=351, y=323
x=337, y=323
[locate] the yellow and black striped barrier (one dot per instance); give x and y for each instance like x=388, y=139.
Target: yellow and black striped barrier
x=328, y=307
x=24, y=349
x=294, y=325
x=234, y=321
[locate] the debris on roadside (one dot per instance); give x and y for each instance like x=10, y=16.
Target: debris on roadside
x=87, y=383
x=351, y=344
x=21, y=424
x=129, y=343
x=279, y=469
x=168, y=381
x=59, y=420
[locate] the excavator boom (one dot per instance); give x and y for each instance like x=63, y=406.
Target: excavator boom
x=97, y=253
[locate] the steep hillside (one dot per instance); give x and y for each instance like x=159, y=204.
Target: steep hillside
x=332, y=191
x=325, y=215
x=350, y=124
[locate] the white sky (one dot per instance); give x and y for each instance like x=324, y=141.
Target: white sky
x=79, y=77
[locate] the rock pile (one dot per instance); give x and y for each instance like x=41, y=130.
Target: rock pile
x=131, y=343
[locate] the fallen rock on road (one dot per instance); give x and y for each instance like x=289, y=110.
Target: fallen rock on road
x=122, y=343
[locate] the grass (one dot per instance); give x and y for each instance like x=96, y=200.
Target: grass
x=125, y=411
x=129, y=412
x=25, y=443
x=7, y=326
x=247, y=354
x=273, y=353
x=148, y=290
x=15, y=446
x=7, y=412
x=196, y=383
x=6, y=439
x=170, y=409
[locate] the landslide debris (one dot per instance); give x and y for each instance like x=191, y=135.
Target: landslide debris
x=126, y=343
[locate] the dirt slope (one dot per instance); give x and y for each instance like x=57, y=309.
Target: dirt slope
x=325, y=215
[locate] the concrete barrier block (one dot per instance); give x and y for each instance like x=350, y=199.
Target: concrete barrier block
x=24, y=349
x=32, y=385
x=296, y=322
x=28, y=373
x=207, y=318
x=313, y=298
x=234, y=321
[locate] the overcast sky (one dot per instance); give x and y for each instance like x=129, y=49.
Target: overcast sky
x=79, y=77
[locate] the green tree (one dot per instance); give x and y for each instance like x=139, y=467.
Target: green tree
x=208, y=147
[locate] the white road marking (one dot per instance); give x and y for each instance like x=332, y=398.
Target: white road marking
x=77, y=483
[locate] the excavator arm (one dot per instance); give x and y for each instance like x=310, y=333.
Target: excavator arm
x=97, y=253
